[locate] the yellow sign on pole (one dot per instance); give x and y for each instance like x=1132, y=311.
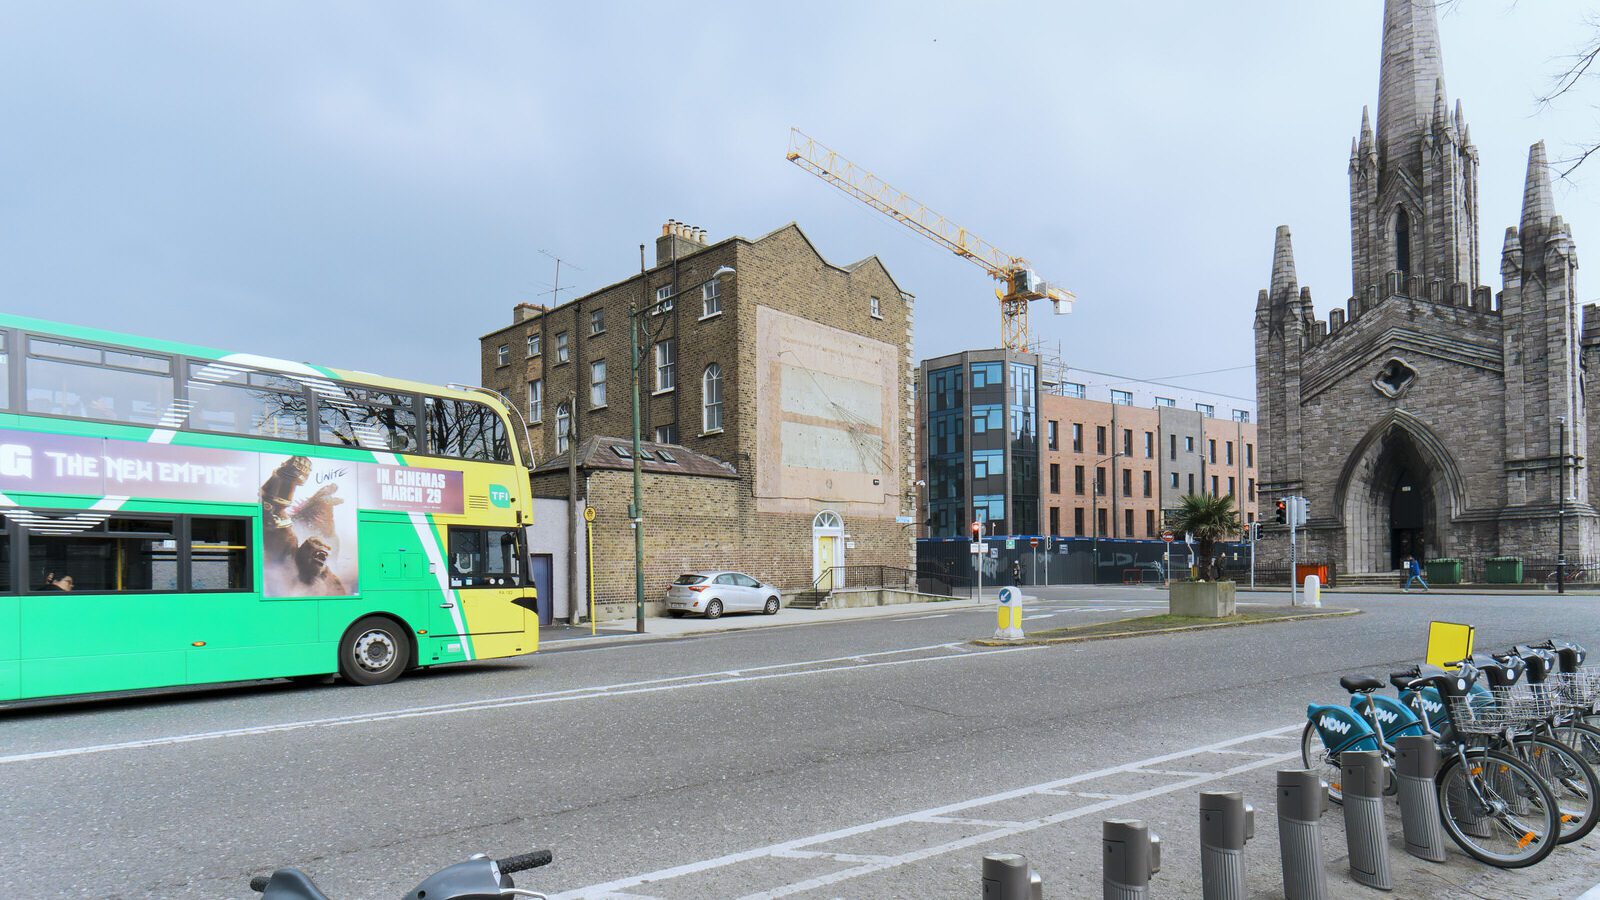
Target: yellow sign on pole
x=1448, y=643
x=588, y=545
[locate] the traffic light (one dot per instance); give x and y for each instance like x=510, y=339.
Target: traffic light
x=1281, y=514
x=977, y=530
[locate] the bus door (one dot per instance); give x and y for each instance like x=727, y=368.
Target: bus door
x=487, y=572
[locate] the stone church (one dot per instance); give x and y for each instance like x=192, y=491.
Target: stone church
x=1431, y=415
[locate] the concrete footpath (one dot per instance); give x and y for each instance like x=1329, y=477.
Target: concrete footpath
x=664, y=627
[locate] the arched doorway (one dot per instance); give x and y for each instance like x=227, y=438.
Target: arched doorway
x=1396, y=494
x=827, y=550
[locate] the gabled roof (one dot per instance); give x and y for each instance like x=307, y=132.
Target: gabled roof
x=602, y=452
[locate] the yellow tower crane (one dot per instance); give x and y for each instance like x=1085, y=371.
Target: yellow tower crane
x=1020, y=285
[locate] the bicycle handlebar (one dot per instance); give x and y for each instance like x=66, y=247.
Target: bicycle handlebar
x=525, y=861
x=259, y=883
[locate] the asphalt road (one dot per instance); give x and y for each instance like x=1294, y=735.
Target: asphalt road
x=876, y=758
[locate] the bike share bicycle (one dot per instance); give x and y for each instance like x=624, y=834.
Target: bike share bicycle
x=478, y=878
x=1493, y=804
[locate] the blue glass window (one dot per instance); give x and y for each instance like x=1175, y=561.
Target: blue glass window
x=985, y=375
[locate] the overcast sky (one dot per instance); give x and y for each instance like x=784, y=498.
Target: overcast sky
x=368, y=185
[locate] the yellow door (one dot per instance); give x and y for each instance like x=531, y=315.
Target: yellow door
x=827, y=556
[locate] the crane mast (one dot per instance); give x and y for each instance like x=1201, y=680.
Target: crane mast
x=1020, y=284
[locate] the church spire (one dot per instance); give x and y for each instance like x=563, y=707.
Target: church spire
x=1537, y=203
x=1285, y=287
x=1413, y=68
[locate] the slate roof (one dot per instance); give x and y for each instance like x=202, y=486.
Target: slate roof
x=602, y=452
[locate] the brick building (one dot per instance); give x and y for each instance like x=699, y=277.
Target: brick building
x=791, y=374
x=1429, y=415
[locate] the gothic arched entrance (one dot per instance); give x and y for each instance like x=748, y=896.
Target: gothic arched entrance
x=1396, y=495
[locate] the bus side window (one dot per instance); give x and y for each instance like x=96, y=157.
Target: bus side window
x=5, y=555
x=69, y=551
x=219, y=554
x=83, y=381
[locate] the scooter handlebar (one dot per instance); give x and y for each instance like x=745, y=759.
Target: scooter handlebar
x=525, y=861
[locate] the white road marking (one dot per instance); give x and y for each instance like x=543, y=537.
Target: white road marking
x=677, y=682
x=921, y=618
x=1038, y=616
x=609, y=889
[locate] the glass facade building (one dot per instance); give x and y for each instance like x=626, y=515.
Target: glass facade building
x=981, y=421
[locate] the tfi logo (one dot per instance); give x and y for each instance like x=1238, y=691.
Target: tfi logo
x=16, y=460
x=499, y=495
x=1328, y=723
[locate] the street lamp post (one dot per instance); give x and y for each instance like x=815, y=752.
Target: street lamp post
x=1561, y=507
x=636, y=512
x=1094, y=510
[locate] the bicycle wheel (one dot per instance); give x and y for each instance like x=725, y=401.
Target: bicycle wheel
x=1570, y=778
x=1583, y=737
x=1497, y=809
x=1315, y=756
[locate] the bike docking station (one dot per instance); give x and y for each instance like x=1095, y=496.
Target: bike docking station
x=1362, y=773
x=1007, y=876
x=1416, y=767
x=1226, y=823
x=1010, y=615
x=1302, y=799
x=1132, y=855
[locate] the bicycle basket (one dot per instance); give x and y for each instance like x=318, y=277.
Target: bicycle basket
x=1576, y=690
x=1499, y=710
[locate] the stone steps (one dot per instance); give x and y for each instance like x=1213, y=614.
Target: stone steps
x=809, y=600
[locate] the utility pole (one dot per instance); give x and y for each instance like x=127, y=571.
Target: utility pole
x=1254, y=530
x=574, y=613
x=1292, y=506
x=1561, y=508
x=636, y=514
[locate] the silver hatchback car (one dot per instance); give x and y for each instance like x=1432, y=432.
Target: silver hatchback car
x=711, y=594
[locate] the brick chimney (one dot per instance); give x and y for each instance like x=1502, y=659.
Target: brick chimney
x=522, y=312
x=678, y=240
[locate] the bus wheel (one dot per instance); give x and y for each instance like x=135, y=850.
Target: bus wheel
x=373, y=651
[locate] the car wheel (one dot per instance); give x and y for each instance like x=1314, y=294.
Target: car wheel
x=772, y=606
x=373, y=651
x=675, y=613
x=714, y=609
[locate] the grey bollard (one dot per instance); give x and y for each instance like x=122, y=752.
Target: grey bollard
x=1302, y=799
x=1362, y=773
x=1415, y=768
x=1226, y=823
x=1132, y=855
x=1007, y=876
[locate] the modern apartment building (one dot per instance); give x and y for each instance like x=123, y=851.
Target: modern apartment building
x=1099, y=456
x=980, y=415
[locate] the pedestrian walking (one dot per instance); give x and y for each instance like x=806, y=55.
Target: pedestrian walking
x=1414, y=570
x=1016, y=572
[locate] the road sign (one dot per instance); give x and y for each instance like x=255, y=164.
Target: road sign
x=588, y=514
x=1168, y=536
x=977, y=547
x=1011, y=543
x=1034, y=543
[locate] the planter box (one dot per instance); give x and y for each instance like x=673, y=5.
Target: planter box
x=1209, y=599
x=1443, y=571
x=1503, y=570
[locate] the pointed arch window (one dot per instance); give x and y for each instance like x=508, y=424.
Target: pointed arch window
x=711, y=399
x=563, y=427
x=1402, y=240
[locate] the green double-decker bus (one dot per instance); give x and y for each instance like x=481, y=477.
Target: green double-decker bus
x=175, y=515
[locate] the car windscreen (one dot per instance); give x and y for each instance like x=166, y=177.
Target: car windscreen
x=689, y=579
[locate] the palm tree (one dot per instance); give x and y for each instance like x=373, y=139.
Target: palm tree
x=1209, y=519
